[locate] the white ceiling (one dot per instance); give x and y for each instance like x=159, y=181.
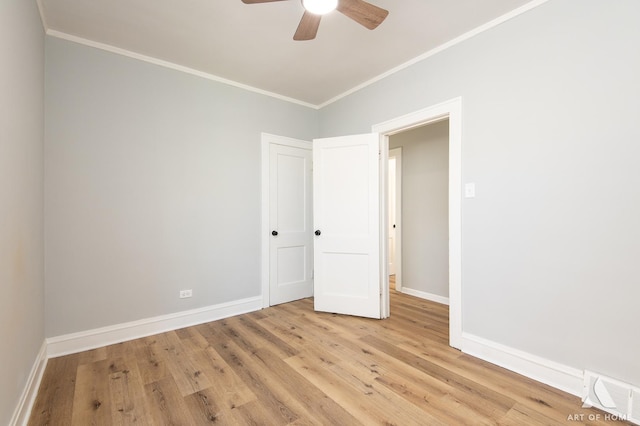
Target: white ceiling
x=253, y=45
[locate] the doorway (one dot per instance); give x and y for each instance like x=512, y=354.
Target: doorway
x=338, y=261
x=422, y=206
x=287, y=220
x=451, y=110
x=395, y=218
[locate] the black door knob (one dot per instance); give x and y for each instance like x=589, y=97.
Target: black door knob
x=318, y=232
x=274, y=233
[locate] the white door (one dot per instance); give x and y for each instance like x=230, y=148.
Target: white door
x=346, y=210
x=395, y=216
x=291, y=224
x=392, y=215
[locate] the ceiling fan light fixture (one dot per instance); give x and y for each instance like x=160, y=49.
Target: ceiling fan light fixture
x=320, y=7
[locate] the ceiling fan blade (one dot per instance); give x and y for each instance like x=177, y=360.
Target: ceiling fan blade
x=362, y=12
x=308, y=27
x=258, y=1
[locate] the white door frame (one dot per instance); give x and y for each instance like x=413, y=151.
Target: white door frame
x=452, y=110
x=266, y=141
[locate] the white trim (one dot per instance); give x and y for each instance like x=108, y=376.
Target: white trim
x=383, y=215
x=474, y=32
x=25, y=404
x=559, y=376
x=266, y=141
x=283, y=140
x=452, y=110
x=173, y=66
x=499, y=20
x=43, y=18
x=91, y=339
x=424, y=295
x=264, y=216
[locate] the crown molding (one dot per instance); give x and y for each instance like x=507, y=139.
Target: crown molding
x=113, y=49
x=173, y=66
x=474, y=32
x=43, y=17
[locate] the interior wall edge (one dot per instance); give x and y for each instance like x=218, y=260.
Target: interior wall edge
x=25, y=404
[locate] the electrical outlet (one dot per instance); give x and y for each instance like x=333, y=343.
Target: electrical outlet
x=185, y=293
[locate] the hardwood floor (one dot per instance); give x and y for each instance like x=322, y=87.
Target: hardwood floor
x=287, y=365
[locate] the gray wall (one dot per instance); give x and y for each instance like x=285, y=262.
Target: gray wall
x=21, y=233
x=425, y=209
x=551, y=101
x=152, y=185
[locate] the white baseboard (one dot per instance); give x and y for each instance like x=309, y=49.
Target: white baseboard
x=96, y=338
x=559, y=376
x=25, y=404
x=424, y=295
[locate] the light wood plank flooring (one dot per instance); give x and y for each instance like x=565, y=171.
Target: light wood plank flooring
x=288, y=365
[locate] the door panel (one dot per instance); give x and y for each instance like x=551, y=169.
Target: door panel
x=291, y=177
x=290, y=201
x=392, y=216
x=347, y=216
x=346, y=275
x=291, y=264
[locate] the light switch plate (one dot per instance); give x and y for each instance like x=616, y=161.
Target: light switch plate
x=469, y=190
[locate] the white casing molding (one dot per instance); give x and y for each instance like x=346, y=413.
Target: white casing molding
x=96, y=338
x=28, y=397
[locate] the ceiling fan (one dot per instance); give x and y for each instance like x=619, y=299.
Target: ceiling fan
x=364, y=13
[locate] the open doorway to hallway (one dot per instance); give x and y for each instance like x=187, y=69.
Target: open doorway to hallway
x=418, y=202
x=449, y=111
